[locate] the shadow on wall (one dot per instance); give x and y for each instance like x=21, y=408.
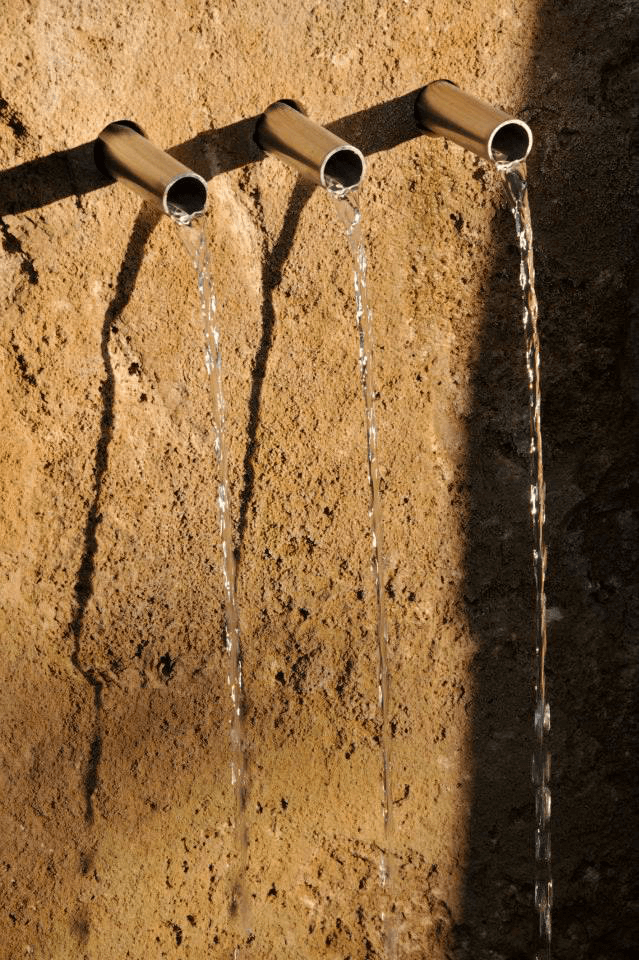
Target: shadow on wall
x=582, y=107
x=125, y=284
x=72, y=172
x=273, y=264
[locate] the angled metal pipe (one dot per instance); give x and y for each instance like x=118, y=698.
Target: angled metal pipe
x=443, y=110
x=317, y=154
x=123, y=152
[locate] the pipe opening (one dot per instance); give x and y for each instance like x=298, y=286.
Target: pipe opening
x=189, y=193
x=510, y=142
x=344, y=166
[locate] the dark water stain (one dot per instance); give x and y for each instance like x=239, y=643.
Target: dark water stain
x=23, y=366
x=81, y=927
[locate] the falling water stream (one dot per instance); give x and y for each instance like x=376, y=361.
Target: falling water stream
x=193, y=235
x=515, y=178
x=347, y=203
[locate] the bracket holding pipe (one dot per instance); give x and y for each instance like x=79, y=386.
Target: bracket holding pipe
x=123, y=152
x=285, y=131
x=443, y=110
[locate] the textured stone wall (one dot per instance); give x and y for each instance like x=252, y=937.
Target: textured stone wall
x=116, y=803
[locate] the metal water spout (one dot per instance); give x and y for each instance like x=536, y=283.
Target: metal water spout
x=443, y=110
x=123, y=152
x=313, y=151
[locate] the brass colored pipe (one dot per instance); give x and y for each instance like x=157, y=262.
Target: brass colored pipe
x=123, y=152
x=443, y=110
x=316, y=153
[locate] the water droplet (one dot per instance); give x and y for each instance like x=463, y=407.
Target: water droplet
x=535, y=770
x=542, y=805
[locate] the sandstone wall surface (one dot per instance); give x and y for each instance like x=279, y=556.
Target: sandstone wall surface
x=117, y=836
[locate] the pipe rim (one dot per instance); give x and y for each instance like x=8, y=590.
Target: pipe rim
x=344, y=148
x=520, y=156
x=180, y=177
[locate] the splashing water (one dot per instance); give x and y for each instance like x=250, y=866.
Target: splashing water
x=194, y=239
x=517, y=187
x=349, y=213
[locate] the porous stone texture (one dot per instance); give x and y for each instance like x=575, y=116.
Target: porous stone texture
x=117, y=837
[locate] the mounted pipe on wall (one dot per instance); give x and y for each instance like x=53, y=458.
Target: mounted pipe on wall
x=443, y=110
x=285, y=131
x=123, y=152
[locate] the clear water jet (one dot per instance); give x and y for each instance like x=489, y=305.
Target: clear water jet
x=192, y=232
x=442, y=109
x=348, y=210
x=515, y=179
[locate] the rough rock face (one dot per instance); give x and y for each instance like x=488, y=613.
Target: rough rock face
x=117, y=834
